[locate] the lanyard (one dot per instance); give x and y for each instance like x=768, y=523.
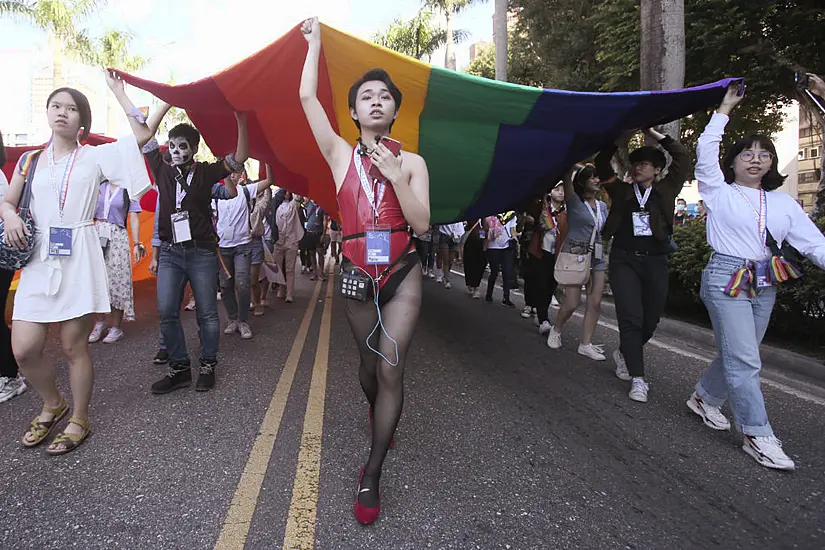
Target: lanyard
x=369, y=191
x=180, y=193
x=597, y=215
x=761, y=215
x=63, y=190
x=108, y=198
x=642, y=199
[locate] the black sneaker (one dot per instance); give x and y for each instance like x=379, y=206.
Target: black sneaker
x=161, y=358
x=178, y=376
x=206, y=378
x=508, y=303
x=488, y=299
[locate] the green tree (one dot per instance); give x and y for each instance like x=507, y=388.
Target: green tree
x=449, y=8
x=523, y=67
x=112, y=51
x=60, y=20
x=418, y=37
x=593, y=45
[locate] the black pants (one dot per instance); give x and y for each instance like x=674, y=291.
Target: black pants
x=530, y=273
x=423, y=249
x=639, y=285
x=501, y=259
x=475, y=260
x=8, y=365
x=545, y=285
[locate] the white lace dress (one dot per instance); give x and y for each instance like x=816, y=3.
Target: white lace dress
x=54, y=289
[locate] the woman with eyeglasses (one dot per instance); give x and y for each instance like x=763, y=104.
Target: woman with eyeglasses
x=747, y=222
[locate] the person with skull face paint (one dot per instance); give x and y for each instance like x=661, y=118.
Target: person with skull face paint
x=188, y=250
x=377, y=213
x=64, y=281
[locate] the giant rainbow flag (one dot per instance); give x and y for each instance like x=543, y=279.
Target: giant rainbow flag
x=488, y=145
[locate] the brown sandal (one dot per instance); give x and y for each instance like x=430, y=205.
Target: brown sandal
x=41, y=429
x=70, y=440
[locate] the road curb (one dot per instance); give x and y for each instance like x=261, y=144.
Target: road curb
x=772, y=357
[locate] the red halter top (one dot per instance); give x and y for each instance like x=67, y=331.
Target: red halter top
x=357, y=213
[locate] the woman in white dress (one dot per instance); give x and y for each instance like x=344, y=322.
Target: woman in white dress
x=65, y=280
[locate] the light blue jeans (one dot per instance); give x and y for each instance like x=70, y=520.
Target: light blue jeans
x=739, y=325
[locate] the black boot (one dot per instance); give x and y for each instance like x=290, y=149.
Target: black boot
x=206, y=378
x=178, y=376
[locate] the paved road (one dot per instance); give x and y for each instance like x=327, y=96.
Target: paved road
x=503, y=444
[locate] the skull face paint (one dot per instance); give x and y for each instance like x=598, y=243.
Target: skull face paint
x=181, y=151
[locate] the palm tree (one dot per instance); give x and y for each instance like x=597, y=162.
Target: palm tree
x=450, y=8
x=59, y=18
x=500, y=37
x=111, y=51
x=418, y=37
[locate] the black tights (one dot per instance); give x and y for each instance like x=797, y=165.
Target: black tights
x=382, y=383
x=8, y=365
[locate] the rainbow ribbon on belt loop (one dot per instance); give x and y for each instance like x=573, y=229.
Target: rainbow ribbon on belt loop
x=782, y=270
x=743, y=279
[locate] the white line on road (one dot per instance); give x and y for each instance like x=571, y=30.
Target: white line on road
x=704, y=358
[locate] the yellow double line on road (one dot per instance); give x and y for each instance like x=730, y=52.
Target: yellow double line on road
x=300, y=529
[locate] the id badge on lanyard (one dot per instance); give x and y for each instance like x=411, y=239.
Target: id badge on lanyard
x=181, y=228
x=762, y=279
x=60, y=238
x=104, y=230
x=181, y=231
x=641, y=220
x=60, y=241
x=378, y=247
x=641, y=224
x=598, y=251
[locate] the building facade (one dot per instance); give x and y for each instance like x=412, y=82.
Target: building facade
x=809, y=159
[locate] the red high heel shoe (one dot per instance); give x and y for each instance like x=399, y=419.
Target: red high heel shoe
x=392, y=441
x=363, y=514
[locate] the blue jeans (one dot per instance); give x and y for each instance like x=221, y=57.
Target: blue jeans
x=739, y=325
x=235, y=285
x=198, y=266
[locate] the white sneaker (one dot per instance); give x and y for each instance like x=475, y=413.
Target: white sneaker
x=11, y=387
x=527, y=312
x=231, y=328
x=554, y=339
x=554, y=302
x=97, y=333
x=712, y=416
x=439, y=278
x=476, y=294
x=621, y=366
x=114, y=335
x=768, y=452
x=447, y=285
x=592, y=351
x=246, y=332
x=545, y=328
x=191, y=305
x=638, y=390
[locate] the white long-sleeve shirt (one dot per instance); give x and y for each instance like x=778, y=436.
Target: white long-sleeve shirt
x=733, y=226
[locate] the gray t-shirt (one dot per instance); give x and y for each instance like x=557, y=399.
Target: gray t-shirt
x=580, y=220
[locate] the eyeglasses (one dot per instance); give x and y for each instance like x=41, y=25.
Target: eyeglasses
x=748, y=156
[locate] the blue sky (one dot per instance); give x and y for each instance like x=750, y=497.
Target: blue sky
x=193, y=39
x=188, y=39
